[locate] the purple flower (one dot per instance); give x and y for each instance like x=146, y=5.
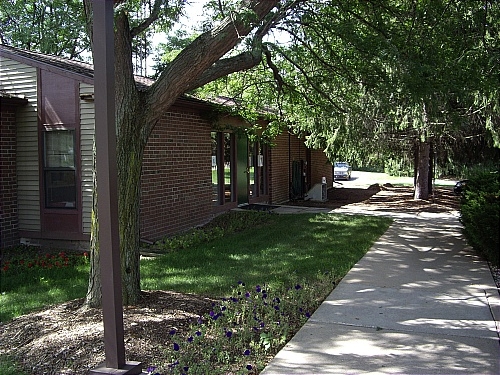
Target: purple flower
x=190, y=339
x=308, y=315
x=276, y=308
x=176, y=347
x=198, y=333
x=172, y=332
x=229, y=334
x=247, y=294
x=258, y=289
x=246, y=352
x=150, y=369
x=249, y=367
x=297, y=287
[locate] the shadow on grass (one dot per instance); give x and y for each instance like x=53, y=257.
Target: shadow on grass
x=291, y=248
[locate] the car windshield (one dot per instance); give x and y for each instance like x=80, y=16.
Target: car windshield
x=341, y=165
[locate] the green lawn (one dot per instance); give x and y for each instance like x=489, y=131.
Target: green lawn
x=287, y=248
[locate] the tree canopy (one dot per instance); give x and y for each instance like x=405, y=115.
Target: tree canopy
x=367, y=79
x=55, y=27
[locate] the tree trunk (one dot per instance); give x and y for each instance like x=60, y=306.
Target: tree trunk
x=94, y=294
x=422, y=167
x=129, y=158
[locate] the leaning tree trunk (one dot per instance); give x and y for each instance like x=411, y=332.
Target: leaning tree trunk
x=422, y=170
x=93, y=298
x=129, y=158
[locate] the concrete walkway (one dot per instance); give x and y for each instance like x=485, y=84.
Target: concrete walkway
x=419, y=302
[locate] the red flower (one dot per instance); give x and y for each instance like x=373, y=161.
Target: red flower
x=5, y=268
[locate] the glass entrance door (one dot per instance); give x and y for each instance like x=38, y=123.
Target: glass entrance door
x=242, y=168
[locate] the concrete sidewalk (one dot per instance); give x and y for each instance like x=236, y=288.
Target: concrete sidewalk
x=419, y=302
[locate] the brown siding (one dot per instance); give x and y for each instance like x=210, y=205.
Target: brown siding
x=8, y=182
x=176, y=176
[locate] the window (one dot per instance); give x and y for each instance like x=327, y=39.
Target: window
x=222, y=186
x=59, y=169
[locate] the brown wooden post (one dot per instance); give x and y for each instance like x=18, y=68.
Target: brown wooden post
x=109, y=240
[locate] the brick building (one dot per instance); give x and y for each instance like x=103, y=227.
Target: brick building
x=192, y=170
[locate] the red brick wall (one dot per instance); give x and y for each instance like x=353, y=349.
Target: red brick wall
x=280, y=172
x=320, y=167
x=8, y=180
x=176, y=175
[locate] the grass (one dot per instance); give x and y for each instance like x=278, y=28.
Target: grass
x=288, y=248
x=30, y=281
x=274, y=270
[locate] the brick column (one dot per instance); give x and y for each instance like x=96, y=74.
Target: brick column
x=8, y=180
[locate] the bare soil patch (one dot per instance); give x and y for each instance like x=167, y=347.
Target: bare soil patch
x=67, y=339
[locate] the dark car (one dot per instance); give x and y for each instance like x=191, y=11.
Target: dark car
x=460, y=187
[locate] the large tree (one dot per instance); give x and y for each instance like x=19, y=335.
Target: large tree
x=137, y=111
x=412, y=72
x=390, y=77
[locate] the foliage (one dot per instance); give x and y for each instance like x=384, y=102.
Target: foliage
x=219, y=227
x=9, y=367
x=246, y=328
x=480, y=214
x=55, y=27
x=369, y=79
x=401, y=167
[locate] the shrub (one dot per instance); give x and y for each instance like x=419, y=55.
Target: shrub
x=229, y=222
x=479, y=213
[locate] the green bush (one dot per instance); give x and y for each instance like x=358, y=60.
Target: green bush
x=479, y=213
x=229, y=222
x=398, y=167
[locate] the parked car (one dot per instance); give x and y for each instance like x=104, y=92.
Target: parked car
x=341, y=169
x=460, y=186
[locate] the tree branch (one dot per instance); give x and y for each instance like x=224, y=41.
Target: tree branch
x=153, y=16
x=224, y=67
x=198, y=62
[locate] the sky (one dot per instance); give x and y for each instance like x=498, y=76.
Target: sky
x=194, y=14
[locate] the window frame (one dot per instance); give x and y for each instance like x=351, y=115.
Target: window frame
x=47, y=170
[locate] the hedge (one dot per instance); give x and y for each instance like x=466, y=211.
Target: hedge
x=480, y=214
